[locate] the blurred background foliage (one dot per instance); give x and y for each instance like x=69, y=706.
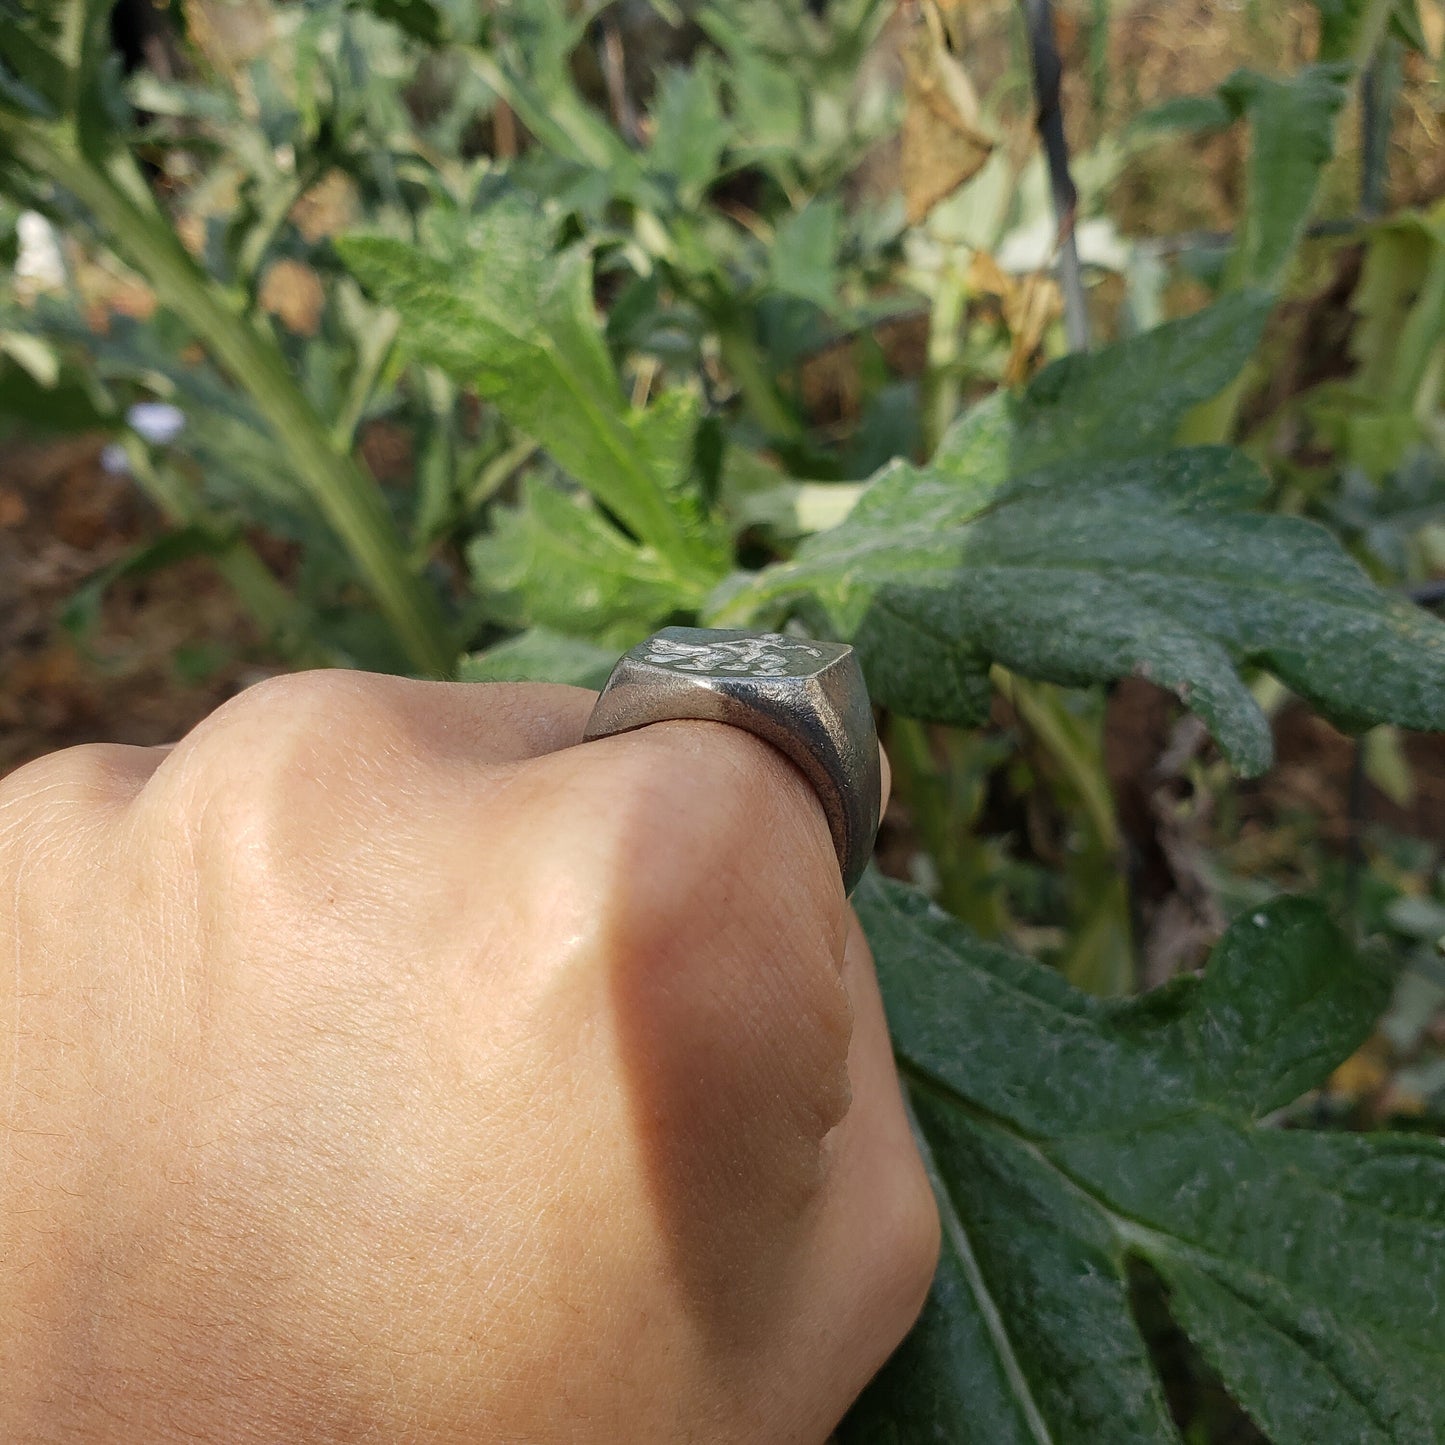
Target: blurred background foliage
x=283, y=346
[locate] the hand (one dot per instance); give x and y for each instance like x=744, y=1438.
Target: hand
x=382, y=1066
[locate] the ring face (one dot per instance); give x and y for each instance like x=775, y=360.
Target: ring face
x=806, y=698
x=747, y=654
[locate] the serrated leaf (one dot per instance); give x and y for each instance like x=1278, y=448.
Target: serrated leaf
x=689, y=131
x=1018, y=545
x=1067, y=1133
x=1292, y=125
x=541, y=655
x=499, y=309
x=555, y=561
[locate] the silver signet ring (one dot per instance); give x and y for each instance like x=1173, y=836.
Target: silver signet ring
x=806, y=698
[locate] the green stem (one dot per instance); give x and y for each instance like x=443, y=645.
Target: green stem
x=968, y=886
x=940, y=386
x=496, y=473
x=760, y=394
x=261, y=236
x=373, y=352
x=1420, y=336
x=1082, y=763
x=350, y=499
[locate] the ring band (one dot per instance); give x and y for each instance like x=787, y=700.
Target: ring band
x=806, y=698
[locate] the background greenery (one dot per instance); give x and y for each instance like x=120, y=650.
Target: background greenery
x=779, y=314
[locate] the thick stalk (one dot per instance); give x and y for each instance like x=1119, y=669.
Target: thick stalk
x=350, y=499
x=940, y=384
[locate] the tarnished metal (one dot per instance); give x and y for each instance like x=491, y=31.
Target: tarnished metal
x=806, y=698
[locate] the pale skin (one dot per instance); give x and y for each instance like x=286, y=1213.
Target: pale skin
x=379, y=1064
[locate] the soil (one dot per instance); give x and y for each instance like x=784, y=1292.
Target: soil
x=167, y=648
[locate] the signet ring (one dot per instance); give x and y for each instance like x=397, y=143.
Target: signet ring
x=806, y=698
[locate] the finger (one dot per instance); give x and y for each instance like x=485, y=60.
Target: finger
x=877, y=1251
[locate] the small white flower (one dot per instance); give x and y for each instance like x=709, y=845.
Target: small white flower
x=157, y=421
x=39, y=261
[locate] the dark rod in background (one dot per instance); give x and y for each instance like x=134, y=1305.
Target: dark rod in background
x=1048, y=73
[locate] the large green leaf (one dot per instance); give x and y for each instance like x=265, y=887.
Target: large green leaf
x=498, y=308
x=1035, y=539
x=1066, y=1134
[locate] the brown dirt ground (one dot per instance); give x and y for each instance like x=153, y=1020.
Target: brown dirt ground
x=62, y=518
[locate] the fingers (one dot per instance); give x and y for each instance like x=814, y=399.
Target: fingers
x=877, y=1247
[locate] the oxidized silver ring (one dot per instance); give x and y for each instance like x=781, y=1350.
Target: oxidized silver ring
x=806, y=698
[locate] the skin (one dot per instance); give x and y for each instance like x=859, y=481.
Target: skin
x=377, y=1064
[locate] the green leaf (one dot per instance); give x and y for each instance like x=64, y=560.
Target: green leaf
x=498, y=308
x=1066, y=1134
x=69, y=404
x=1193, y=114
x=1342, y=33
x=804, y=257
x=556, y=561
x=1152, y=568
x=1122, y=401
x=689, y=133
x=1031, y=541
x=1292, y=126
x=541, y=655
x=32, y=76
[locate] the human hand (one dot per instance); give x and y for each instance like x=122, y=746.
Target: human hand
x=382, y=1066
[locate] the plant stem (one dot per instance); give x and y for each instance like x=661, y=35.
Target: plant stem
x=350, y=499
x=940, y=385
x=1082, y=764
x=739, y=351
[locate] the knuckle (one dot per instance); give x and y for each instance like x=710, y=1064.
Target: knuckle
x=290, y=756
x=94, y=774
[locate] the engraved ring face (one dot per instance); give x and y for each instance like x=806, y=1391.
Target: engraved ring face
x=806, y=698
